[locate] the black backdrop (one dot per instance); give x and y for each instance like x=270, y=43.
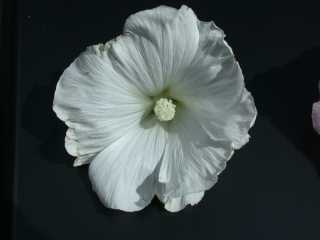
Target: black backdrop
x=271, y=187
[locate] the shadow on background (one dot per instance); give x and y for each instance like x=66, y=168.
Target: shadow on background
x=39, y=120
x=285, y=96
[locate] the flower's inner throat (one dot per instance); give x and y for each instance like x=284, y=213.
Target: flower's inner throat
x=164, y=109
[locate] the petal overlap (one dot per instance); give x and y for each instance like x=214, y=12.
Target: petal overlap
x=122, y=174
x=107, y=95
x=173, y=33
x=97, y=104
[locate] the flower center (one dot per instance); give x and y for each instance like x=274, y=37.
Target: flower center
x=164, y=109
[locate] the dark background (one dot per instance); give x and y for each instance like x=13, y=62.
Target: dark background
x=271, y=187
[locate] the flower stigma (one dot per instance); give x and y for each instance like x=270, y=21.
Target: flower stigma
x=164, y=109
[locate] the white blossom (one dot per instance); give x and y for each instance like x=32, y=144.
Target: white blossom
x=157, y=111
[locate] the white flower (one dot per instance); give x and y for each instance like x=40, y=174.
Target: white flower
x=158, y=111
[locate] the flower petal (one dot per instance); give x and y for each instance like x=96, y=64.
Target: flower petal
x=230, y=124
x=173, y=33
x=137, y=60
x=177, y=204
x=316, y=116
x=216, y=115
x=213, y=87
x=96, y=103
x=122, y=174
x=191, y=162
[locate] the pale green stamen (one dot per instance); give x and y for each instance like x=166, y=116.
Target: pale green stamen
x=164, y=109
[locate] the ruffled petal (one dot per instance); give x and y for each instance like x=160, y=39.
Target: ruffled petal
x=213, y=88
x=191, y=162
x=231, y=124
x=122, y=174
x=96, y=103
x=216, y=113
x=177, y=204
x=173, y=34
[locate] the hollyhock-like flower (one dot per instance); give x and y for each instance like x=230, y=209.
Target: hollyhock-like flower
x=157, y=111
x=316, y=115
